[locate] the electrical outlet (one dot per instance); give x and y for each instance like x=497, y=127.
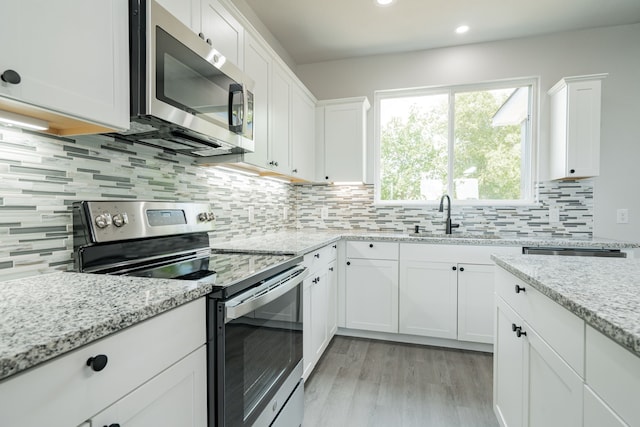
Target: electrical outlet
x=554, y=215
x=251, y=214
x=324, y=212
x=285, y=213
x=622, y=216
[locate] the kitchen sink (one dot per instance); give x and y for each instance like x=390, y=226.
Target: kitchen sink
x=454, y=235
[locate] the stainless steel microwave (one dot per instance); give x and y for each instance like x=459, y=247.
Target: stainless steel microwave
x=186, y=97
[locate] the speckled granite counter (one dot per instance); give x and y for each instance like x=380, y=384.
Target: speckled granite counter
x=604, y=292
x=44, y=316
x=299, y=242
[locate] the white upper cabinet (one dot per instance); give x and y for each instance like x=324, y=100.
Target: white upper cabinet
x=70, y=58
x=187, y=11
x=213, y=23
x=302, y=135
x=280, y=120
x=575, y=127
x=257, y=65
x=341, y=140
x=223, y=30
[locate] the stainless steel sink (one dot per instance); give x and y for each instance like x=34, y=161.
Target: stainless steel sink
x=454, y=235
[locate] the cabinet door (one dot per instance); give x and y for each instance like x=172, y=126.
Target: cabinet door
x=257, y=65
x=575, y=110
x=475, y=302
x=508, y=368
x=555, y=391
x=302, y=135
x=319, y=314
x=583, y=129
x=224, y=31
x=428, y=299
x=372, y=295
x=344, y=139
x=187, y=11
x=280, y=130
x=307, y=348
x=175, y=397
x=72, y=57
x=332, y=286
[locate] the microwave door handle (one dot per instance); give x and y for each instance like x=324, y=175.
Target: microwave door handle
x=236, y=88
x=237, y=311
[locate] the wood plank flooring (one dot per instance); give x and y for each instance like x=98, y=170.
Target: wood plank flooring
x=369, y=383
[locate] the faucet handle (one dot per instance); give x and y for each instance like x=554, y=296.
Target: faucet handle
x=455, y=225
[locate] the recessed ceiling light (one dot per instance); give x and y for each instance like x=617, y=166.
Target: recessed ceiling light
x=462, y=29
x=385, y=2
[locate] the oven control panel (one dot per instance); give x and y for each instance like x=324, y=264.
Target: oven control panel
x=121, y=220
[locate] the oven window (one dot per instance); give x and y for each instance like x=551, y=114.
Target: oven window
x=261, y=350
x=190, y=83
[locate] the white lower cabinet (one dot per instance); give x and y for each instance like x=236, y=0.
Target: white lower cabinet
x=533, y=385
x=319, y=309
x=613, y=373
x=554, y=389
x=475, y=302
x=428, y=299
x=509, y=375
x=446, y=291
x=597, y=413
x=371, y=286
x=147, y=367
x=176, y=397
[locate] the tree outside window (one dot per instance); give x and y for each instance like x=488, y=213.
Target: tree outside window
x=473, y=144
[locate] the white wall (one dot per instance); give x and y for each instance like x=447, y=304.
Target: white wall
x=613, y=50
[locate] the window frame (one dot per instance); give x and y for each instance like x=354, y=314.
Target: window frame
x=530, y=163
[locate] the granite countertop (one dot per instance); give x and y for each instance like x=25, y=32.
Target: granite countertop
x=44, y=316
x=299, y=242
x=605, y=292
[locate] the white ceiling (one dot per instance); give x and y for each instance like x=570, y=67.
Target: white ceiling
x=321, y=30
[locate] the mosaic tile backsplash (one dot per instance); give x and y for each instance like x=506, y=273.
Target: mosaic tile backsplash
x=351, y=207
x=41, y=176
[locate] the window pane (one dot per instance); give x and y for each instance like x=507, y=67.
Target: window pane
x=490, y=130
x=414, y=147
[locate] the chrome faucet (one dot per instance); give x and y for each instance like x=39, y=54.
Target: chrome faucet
x=449, y=226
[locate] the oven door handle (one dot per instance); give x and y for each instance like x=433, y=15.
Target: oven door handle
x=235, y=309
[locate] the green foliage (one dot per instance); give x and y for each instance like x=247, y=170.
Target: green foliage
x=417, y=148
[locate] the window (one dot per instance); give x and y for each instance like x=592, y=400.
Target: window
x=471, y=142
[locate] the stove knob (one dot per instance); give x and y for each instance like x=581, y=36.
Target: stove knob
x=120, y=219
x=103, y=220
x=202, y=216
x=211, y=216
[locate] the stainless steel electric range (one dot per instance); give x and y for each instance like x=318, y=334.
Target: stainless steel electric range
x=254, y=312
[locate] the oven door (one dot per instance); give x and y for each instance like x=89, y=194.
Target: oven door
x=259, y=351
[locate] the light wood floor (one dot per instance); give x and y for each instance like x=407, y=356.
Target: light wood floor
x=360, y=382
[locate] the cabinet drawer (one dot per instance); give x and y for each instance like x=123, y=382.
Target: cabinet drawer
x=65, y=391
x=373, y=250
x=613, y=373
x=320, y=257
x=563, y=330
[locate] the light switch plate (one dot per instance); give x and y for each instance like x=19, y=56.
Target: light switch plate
x=250, y=214
x=622, y=216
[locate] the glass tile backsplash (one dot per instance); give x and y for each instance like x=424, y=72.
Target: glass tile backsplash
x=40, y=176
